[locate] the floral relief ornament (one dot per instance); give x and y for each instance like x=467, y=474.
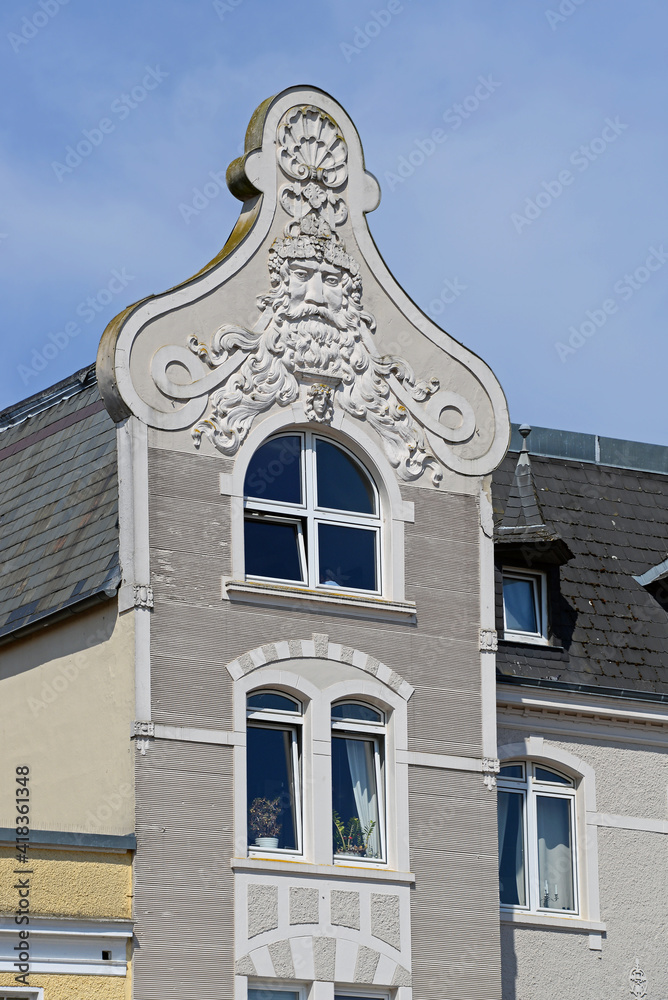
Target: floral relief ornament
x=313, y=327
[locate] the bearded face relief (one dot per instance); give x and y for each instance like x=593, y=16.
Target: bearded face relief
x=314, y=310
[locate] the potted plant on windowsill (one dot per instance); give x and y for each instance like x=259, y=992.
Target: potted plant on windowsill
x=353, y=838
x=263, y=821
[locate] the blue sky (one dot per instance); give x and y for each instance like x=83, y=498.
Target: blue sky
x=534, y=230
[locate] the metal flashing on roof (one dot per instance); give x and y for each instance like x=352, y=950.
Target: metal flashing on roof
x=653, y=574
x=40, y=401
x=576, y=447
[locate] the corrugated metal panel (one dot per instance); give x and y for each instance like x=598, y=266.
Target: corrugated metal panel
x=444, y=515
x=193, y=477
x=455, y=916
x=183, y=884
x=445, y=721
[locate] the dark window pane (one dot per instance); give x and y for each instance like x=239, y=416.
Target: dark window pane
x=341, y=483
x=512, y=771
x=271, y=549
x=520, y=605
x=347, y=557
x=272, y=701
x=511, y=849
x=555, y=853
x=274, y=471
x=542, y=774
x=354, y=711
x=263, y=994
x=354, y=798
x=271, y=792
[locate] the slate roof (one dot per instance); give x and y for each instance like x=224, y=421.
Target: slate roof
x=58, y=503
x=608, y=631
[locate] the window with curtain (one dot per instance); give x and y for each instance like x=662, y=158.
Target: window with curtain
x=311, y=516
x=537, y=856
x=358, y=732
x=273, y=771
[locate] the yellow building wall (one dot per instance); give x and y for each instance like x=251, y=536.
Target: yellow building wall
x=71, y=883
x=58, y=987
x=67, y=697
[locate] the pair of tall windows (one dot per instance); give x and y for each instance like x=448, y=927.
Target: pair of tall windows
x=312, y=516
x=537, y=857
x=274, y=776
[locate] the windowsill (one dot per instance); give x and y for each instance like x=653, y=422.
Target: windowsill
x=525, y=638
x=355, y=605
x=290, y=866
x=542, y=644
x=560, y=922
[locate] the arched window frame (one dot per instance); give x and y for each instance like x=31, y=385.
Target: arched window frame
x=309, y=515
x=394, y=510
x=317, y=704
x=535, y=750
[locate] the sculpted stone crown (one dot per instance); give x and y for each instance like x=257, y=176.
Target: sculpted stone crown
x=305, y=190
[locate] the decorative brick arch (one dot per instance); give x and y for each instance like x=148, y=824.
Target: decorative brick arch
x=321, y=648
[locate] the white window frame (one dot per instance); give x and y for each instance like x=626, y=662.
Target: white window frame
x=366, y=732
x=530, y=787
x=277, y=987
x=539, y=581
x=293, y=722
x=309, y=515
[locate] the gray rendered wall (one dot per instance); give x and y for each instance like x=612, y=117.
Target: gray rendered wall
x=194, y=634
x=538, y=964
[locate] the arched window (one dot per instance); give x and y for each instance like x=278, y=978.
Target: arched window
x=358, y=765
x=537, y=850
x=273, y=771
x=311, y=516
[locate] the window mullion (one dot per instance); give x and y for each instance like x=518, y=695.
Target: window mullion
x=531, y=834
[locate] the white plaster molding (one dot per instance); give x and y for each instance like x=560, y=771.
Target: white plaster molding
x=347, y=873
x=445, y=762
x=490, y=769
x=317, y=212
x=644, y=824
x=297, y=648
x=143, y=729
x=488, y=640
x=133, y=518
x=556, y=922
x=592, y=705
x=352, y=606
x=143, y=597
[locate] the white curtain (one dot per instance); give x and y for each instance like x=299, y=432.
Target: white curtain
x=512, y=802
x=555, y=852
x=362, y=772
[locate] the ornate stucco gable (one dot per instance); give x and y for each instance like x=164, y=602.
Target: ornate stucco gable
x=300, y=307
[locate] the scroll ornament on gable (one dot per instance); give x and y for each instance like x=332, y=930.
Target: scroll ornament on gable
x=313, y=329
